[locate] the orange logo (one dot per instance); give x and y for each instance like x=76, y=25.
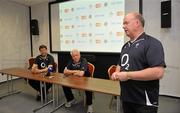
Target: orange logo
x=98, y=24
x=67, y=41
x=98, y=5
x=66, y=27
x=120, y=13
x=83, y=17
x=119, y=34
x=66, y=10
x=83, y=34
x=98, y=41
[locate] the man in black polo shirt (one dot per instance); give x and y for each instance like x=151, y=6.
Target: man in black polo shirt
x=77, y=66
x=140, y=67
x=41, y=65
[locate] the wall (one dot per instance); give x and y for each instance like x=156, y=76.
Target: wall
x=14, y=35
x=170, y=38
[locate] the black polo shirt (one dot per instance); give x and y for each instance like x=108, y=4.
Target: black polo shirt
x=145, y=52
x=43, y=63
x=81, y=65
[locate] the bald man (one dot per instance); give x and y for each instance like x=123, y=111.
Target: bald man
x=140, y=67
x=77, y=66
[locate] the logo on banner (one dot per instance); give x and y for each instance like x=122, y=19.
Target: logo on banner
x=98, y=5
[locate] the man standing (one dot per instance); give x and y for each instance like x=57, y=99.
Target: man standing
x=77, y=66
x=41, y=65
x=140, y=67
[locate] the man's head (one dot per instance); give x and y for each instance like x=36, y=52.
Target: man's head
x=75, y=54
x=43, y=50
x=133, y=24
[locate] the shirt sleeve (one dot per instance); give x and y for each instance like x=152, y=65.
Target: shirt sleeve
x=84, y=65
x=69, y=65
x=36, y=60
x=119, y=60
x=155, y=54
x=51, y=60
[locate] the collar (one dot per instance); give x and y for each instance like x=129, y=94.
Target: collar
x=140, y=38
x=44, y=57
x=78, y=61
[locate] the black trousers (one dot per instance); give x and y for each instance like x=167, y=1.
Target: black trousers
x=137, y=108
x=36, y=85
x=69, y=95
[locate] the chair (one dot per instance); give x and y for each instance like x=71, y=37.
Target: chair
x=91, y=68
x=54, y=67
x=31, y=62
x=111, y=70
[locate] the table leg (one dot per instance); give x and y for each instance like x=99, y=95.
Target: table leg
x=11, y=90
x=57, y=99
x=41, y=91
x=53, y=95
x=12, y=85
x=8, y=83
x=45, y=93
x=57, y=96
x=118, y=104
x=46, y=103
x=37, y=109
x=57, y=107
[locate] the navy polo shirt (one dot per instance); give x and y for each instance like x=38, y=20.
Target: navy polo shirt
x=144, y=52
x=43, y=63
x=82, y=65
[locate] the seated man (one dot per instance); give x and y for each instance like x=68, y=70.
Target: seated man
x=41, y=65
x=77, y=66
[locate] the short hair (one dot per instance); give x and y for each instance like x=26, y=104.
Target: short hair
x=42, y=46
x=74, y=50
x=140, y=18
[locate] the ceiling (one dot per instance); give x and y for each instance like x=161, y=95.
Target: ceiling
x=30, y=2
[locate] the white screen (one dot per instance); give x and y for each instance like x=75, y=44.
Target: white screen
x=88, y=25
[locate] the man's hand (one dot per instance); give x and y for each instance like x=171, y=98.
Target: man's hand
x=114, y=76
x=78, y=73
x=73, y=72
x=122, y=76
x=35, y=71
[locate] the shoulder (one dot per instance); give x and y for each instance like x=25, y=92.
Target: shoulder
x=83, y=59
x=38, y=57
x=70, y=62
x=50, y=56
x=152, y=41
x=126, y=44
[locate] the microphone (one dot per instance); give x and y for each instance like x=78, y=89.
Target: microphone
x=50, y=70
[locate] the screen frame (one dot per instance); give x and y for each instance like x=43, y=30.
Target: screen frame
x=65, y=52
